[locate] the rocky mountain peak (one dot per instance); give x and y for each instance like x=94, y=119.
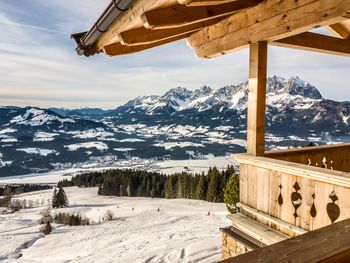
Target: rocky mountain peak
x=280, y=90
x=202, y=91
x=225, y=91
x=180, y=93
x=293, y=86
x=296, y=86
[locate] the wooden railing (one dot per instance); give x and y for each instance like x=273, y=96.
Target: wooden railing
x=333, y=157
x=291, y=196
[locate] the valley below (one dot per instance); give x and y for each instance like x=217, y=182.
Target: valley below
x=182, y=124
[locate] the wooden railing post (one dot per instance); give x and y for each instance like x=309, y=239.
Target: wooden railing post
x=257, y=99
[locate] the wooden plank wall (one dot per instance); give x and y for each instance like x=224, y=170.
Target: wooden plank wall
x=337, y=156
x=262, y=188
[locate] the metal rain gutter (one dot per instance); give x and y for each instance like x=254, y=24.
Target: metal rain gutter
x=85, y=40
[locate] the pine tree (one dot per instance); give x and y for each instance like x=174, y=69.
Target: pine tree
x=45, y=216
x=179, y=186
x=194, y=183
x=213, y=186
x=47, y=228
x=148, y=188
x=99, y=191
x=231, y=195
x=130, y=187
x=54, y=199
x=201, y=189
x=169, y=193
x=59, y=198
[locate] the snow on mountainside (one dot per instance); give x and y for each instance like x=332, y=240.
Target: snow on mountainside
x=292, y=104
x=279, y=90
x=43, y=119
x=180, y=124
x=38, y=117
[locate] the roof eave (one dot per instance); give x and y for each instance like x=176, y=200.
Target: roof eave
x=86, y=40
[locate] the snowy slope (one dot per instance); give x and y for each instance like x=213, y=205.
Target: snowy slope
x=37, y=117
x=180, y=232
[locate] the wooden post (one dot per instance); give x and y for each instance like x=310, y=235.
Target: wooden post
x=257, y=99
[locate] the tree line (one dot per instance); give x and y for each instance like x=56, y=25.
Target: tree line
x=209, y=186
x=22, y=188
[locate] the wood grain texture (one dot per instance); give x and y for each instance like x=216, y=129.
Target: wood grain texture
x=205, y=2
x=341, y=29
x=312, y=186
x=328, y=244
x=144, y=36
x=257, y=99
x=256, y=230
x=316, y=42
x=267, y=21
x=337, y=156
x=118, y=49
x=181, y=15
x=247, y=210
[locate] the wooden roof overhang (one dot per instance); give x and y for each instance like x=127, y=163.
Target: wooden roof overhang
x=216, y=27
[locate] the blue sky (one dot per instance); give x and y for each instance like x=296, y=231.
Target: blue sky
x=39, y=67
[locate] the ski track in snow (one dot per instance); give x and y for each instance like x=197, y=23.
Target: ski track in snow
x=180, y=232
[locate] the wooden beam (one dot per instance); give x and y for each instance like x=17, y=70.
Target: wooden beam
x=340, y=30
x=327, y=244
x=118, y=49
x=316, y=42
x=181, y=15
x=204, y=2
x=268, y=21
x=257, y=99
x=256, y=230
x=244, y=209
x=144, y=36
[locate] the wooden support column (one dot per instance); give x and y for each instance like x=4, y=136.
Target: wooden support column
x=257, y=99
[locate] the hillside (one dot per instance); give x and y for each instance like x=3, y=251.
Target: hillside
x=180, y=232
x=180, y=124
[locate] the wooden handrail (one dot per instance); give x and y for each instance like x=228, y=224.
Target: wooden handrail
x=307, y=149
x=310, y=172
x=334, y=157
x=327, y=244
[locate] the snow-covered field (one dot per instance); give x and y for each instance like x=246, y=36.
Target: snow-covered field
x=196, y=166
x=31, y=150
x=180, y=232
x=98, y=145
x=167, y=167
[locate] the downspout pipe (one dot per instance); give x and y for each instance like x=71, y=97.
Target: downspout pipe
x=86, y=40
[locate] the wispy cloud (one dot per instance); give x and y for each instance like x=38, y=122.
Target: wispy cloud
x=38, y=65
x=5, y=21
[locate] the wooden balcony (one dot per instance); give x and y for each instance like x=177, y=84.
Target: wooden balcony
x=307, y=188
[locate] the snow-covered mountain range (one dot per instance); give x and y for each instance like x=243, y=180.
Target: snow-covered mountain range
x=181, y=123
x=279, y=90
